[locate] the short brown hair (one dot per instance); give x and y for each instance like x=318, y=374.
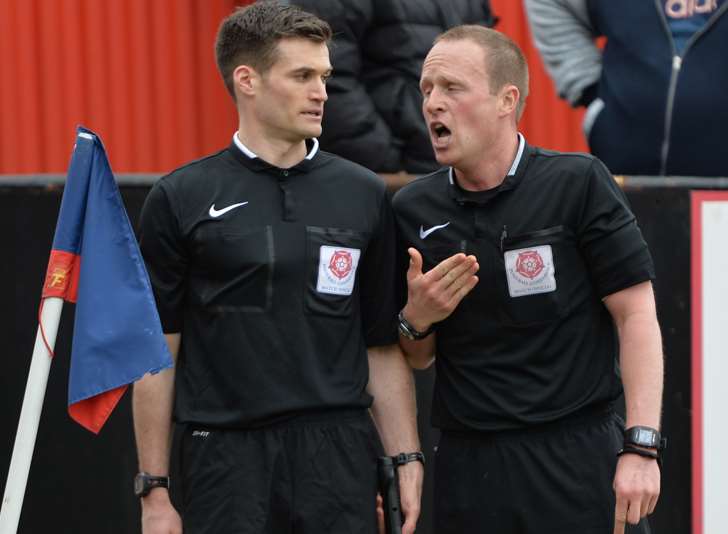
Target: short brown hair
x=504, y=61
x=250, y=35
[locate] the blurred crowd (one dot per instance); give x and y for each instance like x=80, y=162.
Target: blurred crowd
x=651, y=76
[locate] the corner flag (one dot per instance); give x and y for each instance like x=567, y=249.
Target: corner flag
x=96, y=263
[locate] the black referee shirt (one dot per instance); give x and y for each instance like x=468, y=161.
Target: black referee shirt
x=533, y=341
x=278, y=280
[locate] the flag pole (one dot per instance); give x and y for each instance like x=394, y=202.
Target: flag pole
x=35, y=389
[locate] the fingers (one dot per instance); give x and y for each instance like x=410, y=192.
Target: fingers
x=380, y=515
x=415, y=265
x=633, y=512
x=620, y=516
x=466, y=265
x=451, y=275
x=653, y=503
x=441, y=270
x=460, y=292
x=636, y=488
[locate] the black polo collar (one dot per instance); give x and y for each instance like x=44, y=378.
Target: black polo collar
x=511, y=181
x=255, y=163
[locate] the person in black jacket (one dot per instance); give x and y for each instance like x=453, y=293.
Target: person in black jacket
x=373, y=115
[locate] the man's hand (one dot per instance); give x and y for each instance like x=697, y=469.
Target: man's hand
x=410, y=492
x=434, y=295
x=637, y=488
x=158, y=514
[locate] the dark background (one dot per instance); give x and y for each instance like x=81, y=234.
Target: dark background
x=82, y=483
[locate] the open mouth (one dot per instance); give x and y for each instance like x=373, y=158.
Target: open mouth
x=440, y=133
x=313, y=114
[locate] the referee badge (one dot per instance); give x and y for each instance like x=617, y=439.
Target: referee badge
x=337, y=270
x=530, y=271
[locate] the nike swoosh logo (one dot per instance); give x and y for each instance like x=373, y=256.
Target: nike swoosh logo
x=424, y=233
x=223, y=211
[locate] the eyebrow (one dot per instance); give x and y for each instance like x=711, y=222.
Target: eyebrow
x=308, y=70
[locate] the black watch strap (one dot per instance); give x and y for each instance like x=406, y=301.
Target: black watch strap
x=144, y=483
x=630, y=449
x=407, y=457
x=409, y=331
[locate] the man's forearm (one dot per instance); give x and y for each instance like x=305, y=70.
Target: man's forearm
x=640, y=349
x=642, y=367
x=152, y=402
x=394, y=409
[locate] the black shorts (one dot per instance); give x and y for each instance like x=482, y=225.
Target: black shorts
x=551, y=479
x=309, y=475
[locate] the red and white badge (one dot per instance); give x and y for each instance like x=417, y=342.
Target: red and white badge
x=530, y=271
x=337, y=270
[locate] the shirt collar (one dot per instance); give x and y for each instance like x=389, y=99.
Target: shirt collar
x=252, y=155
x=510, y=181
x=514, y=165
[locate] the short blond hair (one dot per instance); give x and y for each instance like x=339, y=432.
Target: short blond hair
x=504, y=61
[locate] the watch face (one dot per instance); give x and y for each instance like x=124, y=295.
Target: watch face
x=645, y=437
x=138, y=485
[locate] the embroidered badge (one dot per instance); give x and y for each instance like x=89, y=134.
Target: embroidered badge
x=530, y=271
x=337, y=270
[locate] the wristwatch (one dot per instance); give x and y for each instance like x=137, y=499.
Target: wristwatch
x=644, y=436
x=144, y=483
x=407, y=457
x=409, y=331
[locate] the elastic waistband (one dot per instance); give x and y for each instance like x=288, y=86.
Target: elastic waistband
x=329, y=416
x=585, y=416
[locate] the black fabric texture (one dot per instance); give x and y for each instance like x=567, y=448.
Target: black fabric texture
x=508, y=361
x=261, y=341
x=305, y=476
x=553, y=479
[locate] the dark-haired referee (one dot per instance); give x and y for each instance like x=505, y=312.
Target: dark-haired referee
x=273, y=268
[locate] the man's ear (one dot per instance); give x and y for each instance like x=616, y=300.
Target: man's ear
x=508, y=99
x=245, y=80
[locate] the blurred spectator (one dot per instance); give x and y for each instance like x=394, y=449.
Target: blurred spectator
x=373, y=115
x=655, y=96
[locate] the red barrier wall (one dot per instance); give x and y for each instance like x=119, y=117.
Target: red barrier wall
x=547, y=121
x=142, y=75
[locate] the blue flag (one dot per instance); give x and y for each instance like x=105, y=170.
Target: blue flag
x=95, y=262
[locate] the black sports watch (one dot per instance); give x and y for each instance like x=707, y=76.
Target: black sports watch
x=409, y=331
x=644, y=436
x=407, y=457
x=144, y=483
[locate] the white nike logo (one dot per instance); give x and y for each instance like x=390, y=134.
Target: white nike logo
x=217, y=213
x=424, y=233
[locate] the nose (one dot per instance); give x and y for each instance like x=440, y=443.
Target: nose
x=432, y=103
x=319, y=93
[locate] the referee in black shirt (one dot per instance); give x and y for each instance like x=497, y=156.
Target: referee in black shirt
x=273, y=269
x=529, y=280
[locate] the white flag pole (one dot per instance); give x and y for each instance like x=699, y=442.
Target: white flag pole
x=35, y=389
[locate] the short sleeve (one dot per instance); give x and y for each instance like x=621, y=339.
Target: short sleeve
x=615, y=251
x=377, y=282
x=164, y=255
